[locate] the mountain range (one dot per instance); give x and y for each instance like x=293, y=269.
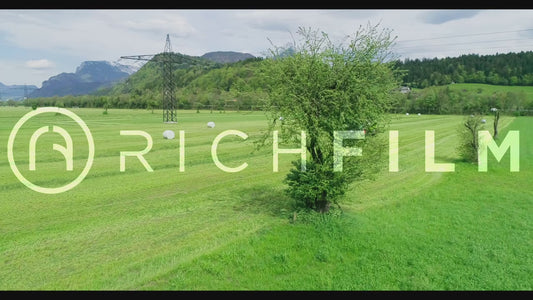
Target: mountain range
x=224, y=57
x=89, y=77
x=15, y=92
x=92, y=76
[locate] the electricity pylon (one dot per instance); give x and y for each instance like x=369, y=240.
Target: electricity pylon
x=167, y=60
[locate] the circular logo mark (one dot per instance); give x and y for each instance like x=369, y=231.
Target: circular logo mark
x=21, y=177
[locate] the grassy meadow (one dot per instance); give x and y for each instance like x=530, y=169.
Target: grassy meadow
x=204, y=229
x=490, y=89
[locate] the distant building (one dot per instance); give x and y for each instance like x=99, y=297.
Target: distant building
x=404, y=89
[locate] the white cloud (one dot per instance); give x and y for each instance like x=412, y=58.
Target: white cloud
x=39, y=64
x=68, y=37
x=93, y=34
x=173, y=24
x=17, y=72
x=443, y=16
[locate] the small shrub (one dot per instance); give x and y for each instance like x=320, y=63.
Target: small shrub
x=317, y=187
x=468, y=134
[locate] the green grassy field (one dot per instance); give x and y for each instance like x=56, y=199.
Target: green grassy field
x=490, y=89
x=204, y=229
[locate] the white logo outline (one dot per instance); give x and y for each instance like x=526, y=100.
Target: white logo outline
x=21, y=177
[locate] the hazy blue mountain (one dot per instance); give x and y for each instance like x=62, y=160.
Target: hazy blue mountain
x=88, y=78
x=226, y=56
x=15, y=92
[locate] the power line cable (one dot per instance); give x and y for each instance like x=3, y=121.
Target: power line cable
x=464, y=43
x=463, y=35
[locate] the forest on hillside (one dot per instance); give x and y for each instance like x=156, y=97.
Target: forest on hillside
x=498, y=69
x=204, y=85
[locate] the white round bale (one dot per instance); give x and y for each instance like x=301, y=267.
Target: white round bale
x=211, y=124
x=483, y=121
x=168, y=134
x=406, y=114
x=419, y=114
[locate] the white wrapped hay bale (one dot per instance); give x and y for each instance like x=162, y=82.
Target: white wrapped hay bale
x=211, y=124
x=168, y=134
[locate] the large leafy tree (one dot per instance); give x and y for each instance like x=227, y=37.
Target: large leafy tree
x=320, y=87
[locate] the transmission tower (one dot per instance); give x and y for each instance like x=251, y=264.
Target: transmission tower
x=167, y=60
x=169, y=101
x=24, y=88
x=25, y=92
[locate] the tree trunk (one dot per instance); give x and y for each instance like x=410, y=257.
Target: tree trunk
x=323, y=204
x=496, y=119
x=316, y=153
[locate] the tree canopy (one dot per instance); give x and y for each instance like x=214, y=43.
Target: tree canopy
x=497, y=69
x=322, y=88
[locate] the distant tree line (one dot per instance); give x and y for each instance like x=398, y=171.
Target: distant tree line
x=237, y=86
x=9, y=102
x=445, y=100
x=498, y=69
x=432, y=100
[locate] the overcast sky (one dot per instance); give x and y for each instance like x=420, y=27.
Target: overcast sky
x=37, y=44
